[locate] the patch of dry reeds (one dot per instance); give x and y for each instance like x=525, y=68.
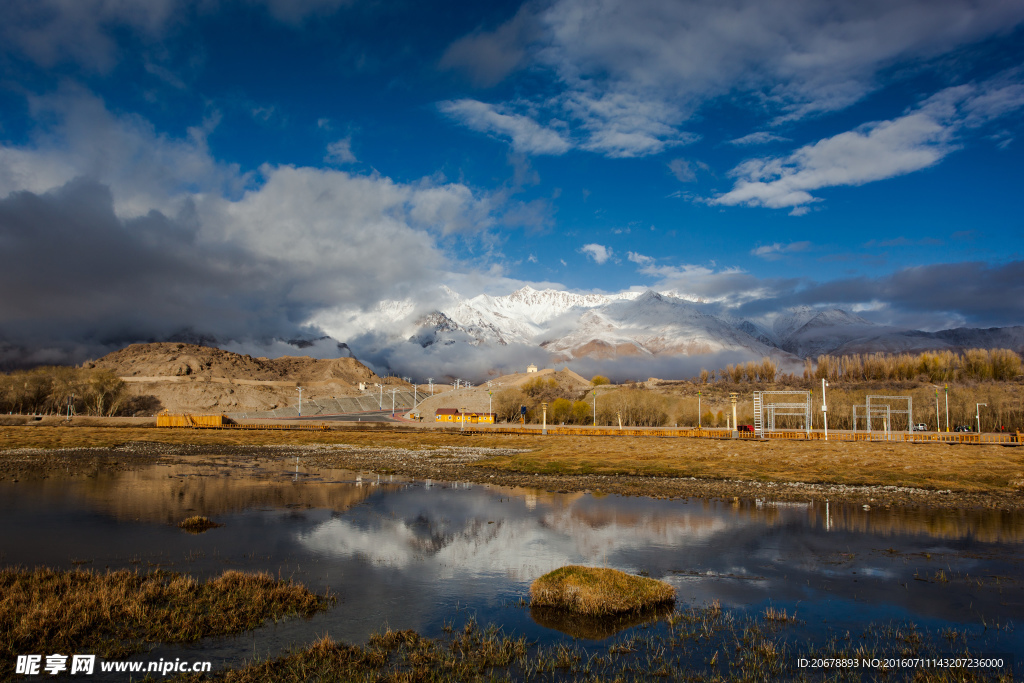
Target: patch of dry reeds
x=598, y=591
x=117, y=613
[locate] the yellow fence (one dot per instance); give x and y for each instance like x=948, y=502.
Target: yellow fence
x=168, y=420
x=901, y=437
x=220, y=422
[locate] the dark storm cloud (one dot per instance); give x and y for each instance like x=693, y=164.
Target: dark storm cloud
x=982, y=294
x=929, y=297
x=77, y=277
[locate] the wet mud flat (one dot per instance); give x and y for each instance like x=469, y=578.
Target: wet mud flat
x=434, y=567
x=474, y=464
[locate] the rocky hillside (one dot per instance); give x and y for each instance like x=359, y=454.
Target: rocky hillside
x=192, y=378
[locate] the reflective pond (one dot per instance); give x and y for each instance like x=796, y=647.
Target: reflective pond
x=425, y=554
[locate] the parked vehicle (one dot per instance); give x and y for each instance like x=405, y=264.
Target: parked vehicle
x=920, y=427
x=745, y=428
x=963, y=428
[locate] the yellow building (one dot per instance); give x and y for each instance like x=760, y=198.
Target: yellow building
x=453, y=415
x=531, y=368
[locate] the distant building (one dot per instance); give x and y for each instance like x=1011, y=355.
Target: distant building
x=453, y=415
x=531, y=368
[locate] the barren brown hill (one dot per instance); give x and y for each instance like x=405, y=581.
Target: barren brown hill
x=187, y=377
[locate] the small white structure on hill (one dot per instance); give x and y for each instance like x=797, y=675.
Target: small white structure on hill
x=531, y=368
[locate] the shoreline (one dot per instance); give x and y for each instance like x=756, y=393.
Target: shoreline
x=512, y=462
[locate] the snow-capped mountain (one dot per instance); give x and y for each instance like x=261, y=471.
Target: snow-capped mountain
x=808, y=332
x=569, y=325
x=651, y=324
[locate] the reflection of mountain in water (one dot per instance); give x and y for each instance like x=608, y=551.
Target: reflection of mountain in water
x=169, y=493
x=435, y=521
x=530, y=532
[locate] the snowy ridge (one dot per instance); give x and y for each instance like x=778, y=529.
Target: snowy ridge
x=570, y=325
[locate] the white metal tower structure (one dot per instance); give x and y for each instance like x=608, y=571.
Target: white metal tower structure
x=766, y=409
x=879, y=401
x=882, y=413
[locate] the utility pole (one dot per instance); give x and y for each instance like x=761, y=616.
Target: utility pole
x=380, y=401
x=938, y=425
x=430, y=383
x=300, y=401
x=698, y=410
x=489, y=395
x=595, y=407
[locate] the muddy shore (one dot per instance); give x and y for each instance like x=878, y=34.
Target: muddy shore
x=470, y=464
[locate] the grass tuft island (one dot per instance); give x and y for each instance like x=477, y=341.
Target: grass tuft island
x=198, y=524
x=595, y=591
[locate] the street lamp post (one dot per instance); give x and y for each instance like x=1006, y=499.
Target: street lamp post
x=735, y=428
x=544, y=426
x=392, y=392
x=937, y=423
x=824, y=407
x=947, y=408
x=977, y=414
x=595, y=407
x=300, y=401
x=698, y=410
x=489, y=395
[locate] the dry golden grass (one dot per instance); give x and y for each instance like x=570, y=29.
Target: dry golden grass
x=966, y=468
x=114, y=614
x=596, y=591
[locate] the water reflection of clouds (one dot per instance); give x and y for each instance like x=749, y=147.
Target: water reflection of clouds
x=487, y=532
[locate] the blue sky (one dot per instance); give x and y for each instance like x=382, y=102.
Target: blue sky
x=263, y=164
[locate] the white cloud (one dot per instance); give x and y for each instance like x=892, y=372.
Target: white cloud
x=761, y=137
x=598, y=252
x=776, y=250
x=487, y=57
x=875, y=151
x=631, y=73
x=686, y=171
x=729, y=287
x=145, y=170
x=340, y=152
x=532, y=258
x=639, y=258
x=526, y=135
x=53, y=31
